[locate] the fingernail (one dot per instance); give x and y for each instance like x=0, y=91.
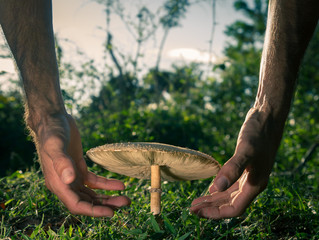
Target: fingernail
x=67, y=176
x=221, y=183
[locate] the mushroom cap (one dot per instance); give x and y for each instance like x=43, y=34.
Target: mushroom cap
x=135, y=160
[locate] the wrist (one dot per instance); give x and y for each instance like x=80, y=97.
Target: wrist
x=271, y=116
x=43, y=100
x=274, y=102
x=39, y=117
x=260, y=133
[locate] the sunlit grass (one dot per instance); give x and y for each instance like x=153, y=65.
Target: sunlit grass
x=287, y=209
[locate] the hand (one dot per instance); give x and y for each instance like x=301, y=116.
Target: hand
x=246, y=174
x=65, y=171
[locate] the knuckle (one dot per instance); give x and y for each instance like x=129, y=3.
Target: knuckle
x=235, y=166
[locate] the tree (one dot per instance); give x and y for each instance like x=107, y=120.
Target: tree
x=174, y=10
x=204, y=114
x=232, y=91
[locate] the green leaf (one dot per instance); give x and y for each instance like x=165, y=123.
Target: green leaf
x=184, y=236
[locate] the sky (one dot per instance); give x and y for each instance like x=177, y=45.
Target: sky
x=80, y=25
x=80, y=20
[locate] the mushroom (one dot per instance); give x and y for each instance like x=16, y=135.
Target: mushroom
x=155, y=161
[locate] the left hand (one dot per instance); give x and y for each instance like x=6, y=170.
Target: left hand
x=229, y=203
x=246, y=174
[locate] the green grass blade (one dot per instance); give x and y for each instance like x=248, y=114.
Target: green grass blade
x=25, y=237
x=184, y=236
x=155, y=224
x=169, y=225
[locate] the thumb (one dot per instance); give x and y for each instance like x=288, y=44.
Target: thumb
x=62, y=163
x=64, y=168
x=229, y=174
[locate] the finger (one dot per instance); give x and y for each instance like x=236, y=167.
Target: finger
x=233, y=209
x=80, y=203
x=229, y=173
x=54, y=149
x=97, y=182
x=242, y=200
x=89, y=209
x=113, y=202
x=215, y=200
x=200, y=200
x=217, y=196
x=217, y=209
x=101, y=199
x=198, y=208
x=64, y=168
x=236, y=205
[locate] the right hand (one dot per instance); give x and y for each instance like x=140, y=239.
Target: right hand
x=66, y=175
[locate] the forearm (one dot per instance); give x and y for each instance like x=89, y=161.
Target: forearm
x=290, y=26
x=27, y=26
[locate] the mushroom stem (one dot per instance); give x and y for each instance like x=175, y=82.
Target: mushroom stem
x=155, y=189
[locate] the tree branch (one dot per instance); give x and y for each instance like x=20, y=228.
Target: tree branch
x=306, y=157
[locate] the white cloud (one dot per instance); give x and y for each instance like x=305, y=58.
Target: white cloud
x=190, y=54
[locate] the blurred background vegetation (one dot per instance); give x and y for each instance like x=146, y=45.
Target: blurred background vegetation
x=182, y=106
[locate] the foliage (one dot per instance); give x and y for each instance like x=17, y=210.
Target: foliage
x=145, y=25
x=168, y=102
x=252, y=32
x=175, y=9
x=303, y=123
x=16, y=148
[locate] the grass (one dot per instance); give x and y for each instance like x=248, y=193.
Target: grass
x=287, y=209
